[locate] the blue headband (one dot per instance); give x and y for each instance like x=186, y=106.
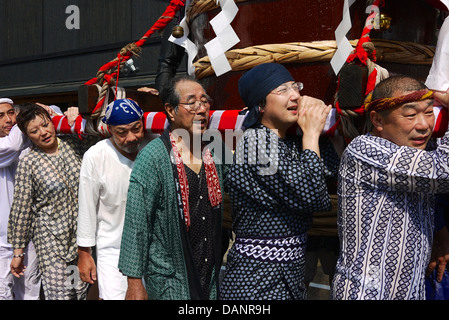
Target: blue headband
x=122, y=111
x=257, y=83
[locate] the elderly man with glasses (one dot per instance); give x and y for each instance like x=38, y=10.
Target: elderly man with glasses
x=172, y=232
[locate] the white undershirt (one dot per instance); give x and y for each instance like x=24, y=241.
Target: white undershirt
x=104, y=181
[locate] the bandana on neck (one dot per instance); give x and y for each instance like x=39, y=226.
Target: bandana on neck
x=213, y=183
x=388, y=103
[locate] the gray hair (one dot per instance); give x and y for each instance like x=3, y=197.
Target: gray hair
x=170, y=95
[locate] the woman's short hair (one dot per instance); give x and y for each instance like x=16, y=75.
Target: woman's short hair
x=29, y=113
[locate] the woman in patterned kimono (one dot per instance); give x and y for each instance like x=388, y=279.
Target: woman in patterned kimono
x=275, y=184
x=45, y=205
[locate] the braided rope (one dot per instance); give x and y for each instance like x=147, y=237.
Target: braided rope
x=105, y=75
x=316, y=51
x=198, y=7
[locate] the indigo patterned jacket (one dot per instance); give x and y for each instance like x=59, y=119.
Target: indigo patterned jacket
x=386, y=217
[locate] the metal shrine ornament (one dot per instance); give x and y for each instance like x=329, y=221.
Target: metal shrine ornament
x=216, y=48
x=177, y=32
x=384, y=22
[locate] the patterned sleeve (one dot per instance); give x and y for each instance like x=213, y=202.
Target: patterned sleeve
x=378, y=163
x=291, y=178
x=331, y=160
x=80, y=145
x=21, y=217
x=142, y=193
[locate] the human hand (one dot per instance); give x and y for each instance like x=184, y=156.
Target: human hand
x=72, y=113
x=86, y=265
x=440, y=253
x=136, y=290
x=50, y=111
x=312, y=115
x=149, y=90
x=17, y=267
x=442, y=98
x=312, y=118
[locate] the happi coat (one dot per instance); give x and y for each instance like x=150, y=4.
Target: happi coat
x=155, y=244
x=386, y=217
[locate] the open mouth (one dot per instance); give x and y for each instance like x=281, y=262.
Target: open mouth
x=420, y=140
x=293, y=109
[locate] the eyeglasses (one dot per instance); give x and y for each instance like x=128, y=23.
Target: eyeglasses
x=195, y=105
x=284, y=89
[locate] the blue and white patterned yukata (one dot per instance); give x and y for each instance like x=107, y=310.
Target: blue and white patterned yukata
x=386, y=217
x=273, y=199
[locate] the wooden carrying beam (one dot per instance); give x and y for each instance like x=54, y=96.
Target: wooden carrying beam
x=88, y=97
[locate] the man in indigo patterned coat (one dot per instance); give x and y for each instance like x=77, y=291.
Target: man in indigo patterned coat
x=388, y=179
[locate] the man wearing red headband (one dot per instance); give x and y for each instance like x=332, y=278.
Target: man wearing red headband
x=387, y=182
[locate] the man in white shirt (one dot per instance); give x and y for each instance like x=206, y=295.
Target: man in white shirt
x=103, y=190
x=12, y=144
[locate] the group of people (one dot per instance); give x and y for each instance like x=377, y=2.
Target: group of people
x=144, y=218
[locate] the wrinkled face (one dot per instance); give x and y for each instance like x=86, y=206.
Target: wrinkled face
x=7, y=119
x=195, y=122
x=42, y=133
x=410, y=124
x=281, y=109
x=127, y=137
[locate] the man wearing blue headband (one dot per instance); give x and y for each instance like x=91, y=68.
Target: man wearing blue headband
x=104, y=180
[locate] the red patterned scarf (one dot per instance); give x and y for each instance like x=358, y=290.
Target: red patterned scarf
x=213, y=183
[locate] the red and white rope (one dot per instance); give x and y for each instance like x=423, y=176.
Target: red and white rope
x=156, y=122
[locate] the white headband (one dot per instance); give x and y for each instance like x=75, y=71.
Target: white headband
x=6, y=100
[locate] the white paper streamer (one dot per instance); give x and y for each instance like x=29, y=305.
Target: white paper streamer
x=225, y=38
x=187, y=44
x=344, y=48
x=438, y=78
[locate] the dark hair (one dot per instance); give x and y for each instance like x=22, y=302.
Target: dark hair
x=28, y=113
x=401, y=83
x=386, y=88
x=170, y=95
x=23, y=106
